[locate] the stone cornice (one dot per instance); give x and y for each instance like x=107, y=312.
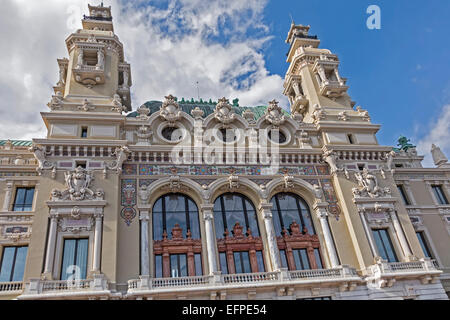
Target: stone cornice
x=81, y=142
x=340, y=126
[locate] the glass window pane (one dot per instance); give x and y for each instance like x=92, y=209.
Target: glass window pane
x=193, y=220
x=218, y=219
x=440, y=194
x=305, y=260
x=246, y=261
x=306, y=215
x=29, y=197
x=259, y=258
x=298, y=262
x=223, y=262
x=157, y=220
x=19, y=199
x=174, y=266
x=7, y=264
x=402, y=192
x=198, y=264
x=19, y=266
x=252, y=219
x=283, y=259
x=82, y=256
x=423, y=244
x=68, y=259
x=276, y=217
x=238, y=265
x=318, y=259
x=388, y=245
x=183, y=265
x=158, y=266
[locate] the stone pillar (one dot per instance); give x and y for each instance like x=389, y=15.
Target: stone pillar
x=97, y=242
x=368, y=231
x=48, y=269
x=266, y=213
x=145, y=250
x=296, y=87
x=210, y=240
x=322, y=214
x=400, y=234
x=8, y=195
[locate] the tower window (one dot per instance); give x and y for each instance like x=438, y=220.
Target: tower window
x=361, y=166
x=439, y=193
x=351, y=139
x=84, y=132
x=90, y=58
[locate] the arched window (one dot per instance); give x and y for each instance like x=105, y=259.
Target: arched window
x=296, y=236
x=238, y=237
x=176, y=237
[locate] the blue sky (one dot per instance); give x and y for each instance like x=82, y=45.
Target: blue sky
x=236, y=48
x=401, y=73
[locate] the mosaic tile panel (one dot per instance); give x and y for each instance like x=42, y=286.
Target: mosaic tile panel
x=129, y=169
x=128, y=192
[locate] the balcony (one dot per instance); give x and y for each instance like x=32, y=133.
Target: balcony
x=333, y=89
x=344, y=277
x=11, y=288
x=65, y=289
x=386, y=273
x=89, y=75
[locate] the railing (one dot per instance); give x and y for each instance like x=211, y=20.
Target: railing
x=147, y=283
x=251, y=277
x=180, y=282
x=99, y=18
x=405, y=266
x=65, y=285
x=316, y=274
x=10, y=286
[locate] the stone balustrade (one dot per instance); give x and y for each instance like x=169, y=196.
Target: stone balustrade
x=11, y=287
x=147, y=285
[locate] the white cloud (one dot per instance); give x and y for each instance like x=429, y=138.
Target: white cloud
x=170, y=48
x=439, y=134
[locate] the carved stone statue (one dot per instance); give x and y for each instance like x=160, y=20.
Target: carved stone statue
x=368, y=184
x=126, y=77
x=274, y=114
x=439, y=157
x=80, y=61
x=77, y=187
x=143, y=112
x=318, y=114
x=86, y=106
x=100, y=60
x=143, y=194
x=224, y=111
x=170, y=109
x=330, y=157
x=143, y=136
x=117, y=104
x=318, y=191
x=56, y=102
x=390, y=159
x=122, y=154
x=39, y=154
x=363, y=113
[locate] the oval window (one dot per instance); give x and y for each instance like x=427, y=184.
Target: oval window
x=277, y=136
x=172, y=133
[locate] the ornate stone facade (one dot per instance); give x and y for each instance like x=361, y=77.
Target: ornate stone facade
x=325, y=195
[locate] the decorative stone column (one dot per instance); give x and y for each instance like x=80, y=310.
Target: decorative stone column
x=266, y=213
x=48, y=269
x=8, y=195
x=401, y=235
x=322, y=214
x=210, y=241
x=97, y=241
x=144, y=216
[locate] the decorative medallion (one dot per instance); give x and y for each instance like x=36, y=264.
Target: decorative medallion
x=128, y=214
x=224, y=111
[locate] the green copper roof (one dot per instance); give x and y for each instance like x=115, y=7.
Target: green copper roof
x=17, y=143
x=207, y=107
